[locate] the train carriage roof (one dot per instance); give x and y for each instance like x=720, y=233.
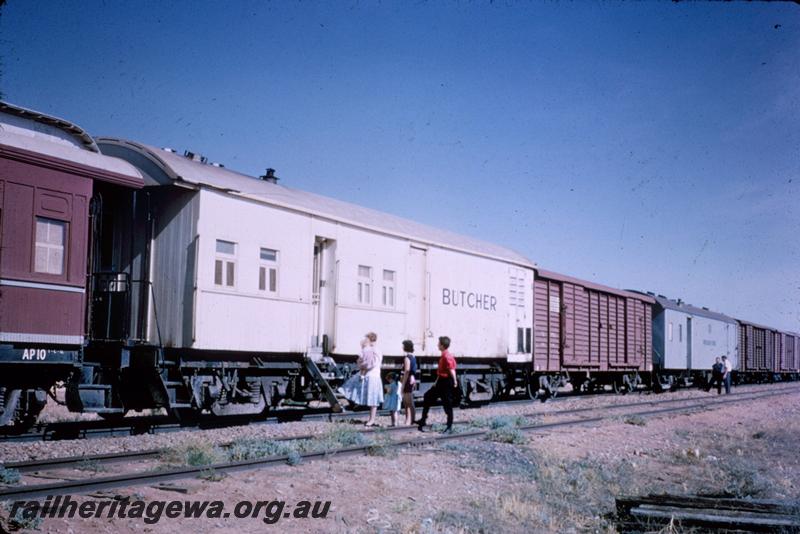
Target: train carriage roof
x=670, y=304
x=552, y=275
x=33, y=136
x=164, y=167
x=757, y=325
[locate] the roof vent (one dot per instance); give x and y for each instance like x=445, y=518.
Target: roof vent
x=195, y=157
x=651, y=293
x=679, y=302
x=270, y=176
x=706, y=309
x=215, y=164
x=168, y=149
x=662, y=296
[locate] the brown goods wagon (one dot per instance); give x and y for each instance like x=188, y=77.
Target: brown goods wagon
x=774, y=348
x=758, y=348
x=789, y=356
x=583, y=326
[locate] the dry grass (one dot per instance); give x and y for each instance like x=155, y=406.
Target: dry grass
x=556, y=493
x=194, y=453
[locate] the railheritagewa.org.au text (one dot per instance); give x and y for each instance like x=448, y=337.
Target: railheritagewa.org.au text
x=151, y=512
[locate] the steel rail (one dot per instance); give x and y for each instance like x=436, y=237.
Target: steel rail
x=136, y=426
x=69, y=461
x=133, y=479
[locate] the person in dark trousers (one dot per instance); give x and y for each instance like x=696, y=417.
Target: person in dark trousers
x=717, y=372
x=409, y=380
x=444, y=388
x=727, y=376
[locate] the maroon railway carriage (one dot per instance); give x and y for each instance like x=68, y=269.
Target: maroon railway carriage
x=48, y=169
x=590, y=335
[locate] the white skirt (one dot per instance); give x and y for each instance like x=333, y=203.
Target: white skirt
x=365, y=391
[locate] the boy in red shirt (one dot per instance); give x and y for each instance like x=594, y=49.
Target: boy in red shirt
x=444, y=388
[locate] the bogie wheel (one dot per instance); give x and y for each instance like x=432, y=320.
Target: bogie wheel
x=658, y=386
x=22, y=407
x=552, y=390
x=10, y=402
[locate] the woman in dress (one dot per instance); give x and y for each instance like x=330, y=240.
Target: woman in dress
x=353, y=387
x=372, y=386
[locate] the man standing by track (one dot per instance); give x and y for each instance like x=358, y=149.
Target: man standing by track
x=726, y=378
x=717, y=372
x=444, y=388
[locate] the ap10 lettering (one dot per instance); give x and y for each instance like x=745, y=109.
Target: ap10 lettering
x=34, y=354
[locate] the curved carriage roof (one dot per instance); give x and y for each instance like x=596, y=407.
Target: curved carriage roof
x=79, y=134
x=163, y=167
x=27, y=133
x=669, y=304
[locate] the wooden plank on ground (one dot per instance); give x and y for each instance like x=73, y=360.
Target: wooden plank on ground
x=708, y=512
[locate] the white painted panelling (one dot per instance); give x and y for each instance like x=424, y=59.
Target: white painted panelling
x=706, y=345
x=243, y=317
x=469, y=302
x=356, y=248
x=520, y=312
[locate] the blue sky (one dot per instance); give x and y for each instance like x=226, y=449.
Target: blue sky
x=641, y=145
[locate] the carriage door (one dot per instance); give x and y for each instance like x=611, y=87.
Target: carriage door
x=417, y=300
x=323, y=293
x=689, y=343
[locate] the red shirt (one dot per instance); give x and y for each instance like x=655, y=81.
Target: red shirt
x=446, y=364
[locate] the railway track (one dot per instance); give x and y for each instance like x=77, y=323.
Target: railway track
x=159, y=477
x=137, y=426
x=108, y=458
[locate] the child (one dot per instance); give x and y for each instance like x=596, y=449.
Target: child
x=367, y=358
x=392, y=400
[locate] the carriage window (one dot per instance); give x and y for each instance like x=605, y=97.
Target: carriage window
x=669, y=331
x=268, y=270
x=50, y=237
x=225, y=264
x=364, y=284
x=680, y=333
x=388, y=288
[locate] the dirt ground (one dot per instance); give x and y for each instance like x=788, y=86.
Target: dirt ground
x=561, y=481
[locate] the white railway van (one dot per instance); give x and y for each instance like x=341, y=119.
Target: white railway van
x=233, y=268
